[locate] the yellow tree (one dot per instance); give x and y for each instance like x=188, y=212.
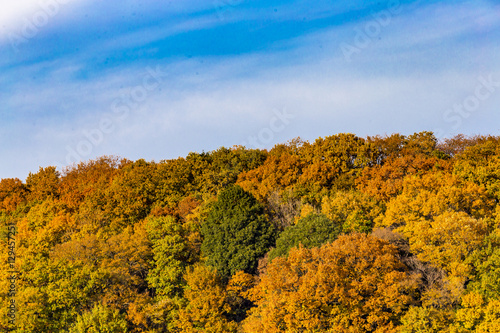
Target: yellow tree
x=477, y=315
x=481, y=164
x=206, y=307
x=43, y=184
x=355, y=211
x=444, y=219
x=458, y=143
x=334, y=162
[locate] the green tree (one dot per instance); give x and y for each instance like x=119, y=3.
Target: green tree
x=171, y=255
x=236, y=232
x=311, y=231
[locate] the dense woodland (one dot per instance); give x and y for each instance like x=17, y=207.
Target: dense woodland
x=345, y=234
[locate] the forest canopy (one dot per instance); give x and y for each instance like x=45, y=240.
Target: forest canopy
x=344, y=234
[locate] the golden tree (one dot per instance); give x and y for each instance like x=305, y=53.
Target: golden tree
x=355, y=284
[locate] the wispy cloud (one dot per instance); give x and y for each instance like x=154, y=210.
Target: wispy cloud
x=426, y=59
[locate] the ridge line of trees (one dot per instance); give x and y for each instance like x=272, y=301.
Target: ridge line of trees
x=344, y=234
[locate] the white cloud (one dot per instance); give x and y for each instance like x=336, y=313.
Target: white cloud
x=13, y=11
x=24, y=18
x=389, y=87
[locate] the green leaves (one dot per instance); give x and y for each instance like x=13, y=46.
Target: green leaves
x=174, y=246
x=171, y=256
x=311, y=231
x=236, y=233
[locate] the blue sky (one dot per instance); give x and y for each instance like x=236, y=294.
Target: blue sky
x=159, y=79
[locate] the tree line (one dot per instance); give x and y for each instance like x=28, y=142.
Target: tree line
x=344, y=234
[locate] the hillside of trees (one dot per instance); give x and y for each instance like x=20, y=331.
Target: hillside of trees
x=344, y=234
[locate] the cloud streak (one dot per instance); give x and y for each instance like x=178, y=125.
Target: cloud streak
x=424, y=61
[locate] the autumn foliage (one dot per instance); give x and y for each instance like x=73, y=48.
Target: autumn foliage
x=344, y=234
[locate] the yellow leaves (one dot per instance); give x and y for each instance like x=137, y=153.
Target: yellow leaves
x=206, y=303
x=425, y=319
x=445, y=220
x=304, y=211
x=477, y=315
x=240, y=283
x=434, y=194
x=491, y=321
x=46, y=225
x=356, y=211
x=84, y=250
x=53, y=233
x=112, y=270
x=100, y=319
x=43, y=184
x=446, y=240
x=440, y=215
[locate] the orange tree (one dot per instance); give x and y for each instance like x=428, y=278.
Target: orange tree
x=355, y=284
x=12, y=194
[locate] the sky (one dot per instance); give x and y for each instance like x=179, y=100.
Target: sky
x=159, y=79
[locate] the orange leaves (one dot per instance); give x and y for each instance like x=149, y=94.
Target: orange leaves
x=355, y=284
x=240, y=283
x=117, y=244
x=399, y=157
x=277, y=173
x=315, y=168
x=12, y=194
x=386, y=181
x=87, y=179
